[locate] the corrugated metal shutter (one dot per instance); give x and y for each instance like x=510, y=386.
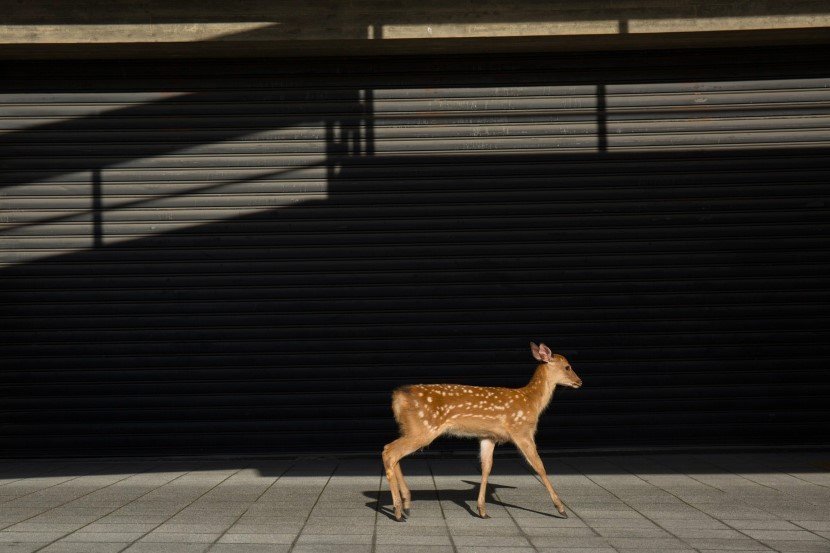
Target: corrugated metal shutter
x=247, y=256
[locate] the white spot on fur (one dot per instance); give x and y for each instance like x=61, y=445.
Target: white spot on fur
x=429, y=399
x=421, y=414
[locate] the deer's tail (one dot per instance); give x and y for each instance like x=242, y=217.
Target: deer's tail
x=401, y=403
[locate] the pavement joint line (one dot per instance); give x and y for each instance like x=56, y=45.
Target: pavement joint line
x=142, y=536
x=38, y=475
x=119, y=507
x=110, y=512
x=539, y=479
x=701, y=482
x=70, y=479
x=814, y=464
x=41, y=475
x=715, y=487
x=803, y=480
x=686, y=474
x=741, y=476
x=536, y=477
x=740, y=531
x=767, y=466
x=772, y=469
x=634, y=508
x=441, y=506
x=316, y=501
x=268, y=487
x=737, y=499
x=683, y=501
x=805, y=529
x=70, y=501
x=90, y=493
x=521, y=530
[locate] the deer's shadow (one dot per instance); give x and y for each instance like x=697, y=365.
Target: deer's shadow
x=462, y=498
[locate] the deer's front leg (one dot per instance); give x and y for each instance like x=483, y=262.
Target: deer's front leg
x=527, y=446
x=487, y=448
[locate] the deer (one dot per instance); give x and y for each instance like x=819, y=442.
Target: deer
x=492, y=415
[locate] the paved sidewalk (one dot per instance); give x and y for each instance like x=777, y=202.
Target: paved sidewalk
x=617, y=503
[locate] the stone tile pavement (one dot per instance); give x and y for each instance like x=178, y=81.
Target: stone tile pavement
x=617, y=503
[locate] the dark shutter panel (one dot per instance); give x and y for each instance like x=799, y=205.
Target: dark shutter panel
x=248, y=256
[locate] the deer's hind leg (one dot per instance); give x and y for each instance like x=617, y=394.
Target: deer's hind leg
x=392, y=454
x=406, y=494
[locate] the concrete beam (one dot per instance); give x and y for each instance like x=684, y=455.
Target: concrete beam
x=118, y=28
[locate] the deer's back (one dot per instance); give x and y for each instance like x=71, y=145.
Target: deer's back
x=460, y=410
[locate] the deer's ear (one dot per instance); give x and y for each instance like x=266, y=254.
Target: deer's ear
x=545, y=353
x=534, y=349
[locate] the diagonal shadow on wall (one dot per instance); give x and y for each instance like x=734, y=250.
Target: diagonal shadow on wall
x=262, y=329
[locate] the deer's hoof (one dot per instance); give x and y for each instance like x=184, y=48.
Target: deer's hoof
x=406, y=511
x=563, y=514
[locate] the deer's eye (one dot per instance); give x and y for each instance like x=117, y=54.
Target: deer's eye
x=567, y=367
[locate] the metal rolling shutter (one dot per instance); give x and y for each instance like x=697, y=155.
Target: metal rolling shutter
x=247, y=256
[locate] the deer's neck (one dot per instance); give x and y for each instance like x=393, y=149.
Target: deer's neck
x=540, y=389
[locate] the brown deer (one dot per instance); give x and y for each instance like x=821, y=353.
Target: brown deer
x=492, y=415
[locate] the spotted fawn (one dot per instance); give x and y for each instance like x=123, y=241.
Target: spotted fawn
x=491, y=415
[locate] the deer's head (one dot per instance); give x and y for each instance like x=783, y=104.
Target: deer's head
x=559, y=370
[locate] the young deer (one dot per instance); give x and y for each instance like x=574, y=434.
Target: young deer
x=493, y=415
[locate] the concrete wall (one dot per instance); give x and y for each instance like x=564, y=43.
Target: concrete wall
x=40, y=28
